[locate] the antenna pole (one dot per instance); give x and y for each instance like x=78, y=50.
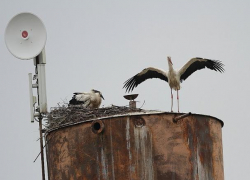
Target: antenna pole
x=19, y=43
x=41, y=146
x=40, y=118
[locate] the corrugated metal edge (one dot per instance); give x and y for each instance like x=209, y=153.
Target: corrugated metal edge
x=147, y=112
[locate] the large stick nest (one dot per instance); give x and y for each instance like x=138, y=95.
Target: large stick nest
x=64, y=115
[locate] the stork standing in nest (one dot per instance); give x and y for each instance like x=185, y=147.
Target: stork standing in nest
x=173, y=77
x=92, y=99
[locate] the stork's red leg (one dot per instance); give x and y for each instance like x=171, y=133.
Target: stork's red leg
x=171, y=101
x=178, y=100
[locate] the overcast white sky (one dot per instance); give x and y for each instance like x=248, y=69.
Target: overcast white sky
x=100, y=44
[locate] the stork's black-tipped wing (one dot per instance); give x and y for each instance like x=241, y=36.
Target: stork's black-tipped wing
x=76, y=93
x=74, y=101
x=145, y=74
x=80, y=98
x=199, y=63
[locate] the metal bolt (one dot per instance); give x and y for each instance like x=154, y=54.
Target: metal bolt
x=176, y=119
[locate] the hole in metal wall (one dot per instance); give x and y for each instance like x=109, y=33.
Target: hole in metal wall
x=97, y=126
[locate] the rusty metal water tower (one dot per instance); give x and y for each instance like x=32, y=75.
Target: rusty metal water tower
x=145, y=145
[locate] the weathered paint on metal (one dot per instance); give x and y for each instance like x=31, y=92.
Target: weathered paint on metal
x=138, y=147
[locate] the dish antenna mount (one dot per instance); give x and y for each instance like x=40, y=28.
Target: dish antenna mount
x=25, y=38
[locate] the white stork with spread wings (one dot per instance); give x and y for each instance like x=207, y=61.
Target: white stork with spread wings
x=173, y=77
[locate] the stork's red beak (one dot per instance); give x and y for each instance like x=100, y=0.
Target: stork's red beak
x=169, y=59
x=102, y=97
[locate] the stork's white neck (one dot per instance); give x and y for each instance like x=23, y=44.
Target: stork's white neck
x=170, y=66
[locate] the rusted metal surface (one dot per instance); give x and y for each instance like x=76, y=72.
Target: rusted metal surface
x=138, y=147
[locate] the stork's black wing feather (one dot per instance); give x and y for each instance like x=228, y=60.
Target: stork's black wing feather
x=74, y=101
x=145, y=74
x=197, y=64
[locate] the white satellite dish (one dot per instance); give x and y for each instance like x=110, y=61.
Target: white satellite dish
x=25, y=36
